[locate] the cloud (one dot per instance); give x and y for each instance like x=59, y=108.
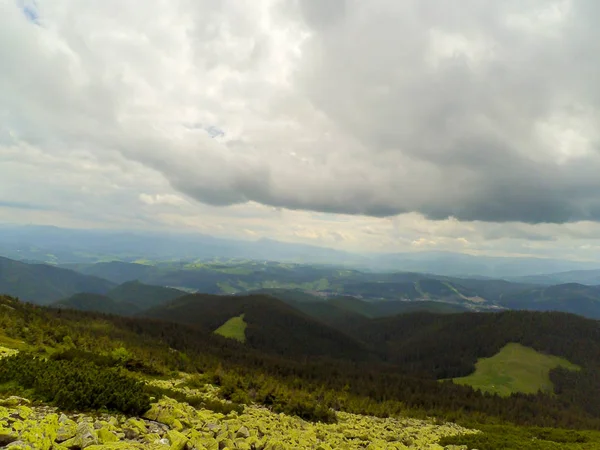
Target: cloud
x=162, y=199
x=488, y=113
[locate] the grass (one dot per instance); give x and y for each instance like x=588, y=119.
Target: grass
x=234, y=328
x=513, y=369
x=11, y=343
x=226, y=288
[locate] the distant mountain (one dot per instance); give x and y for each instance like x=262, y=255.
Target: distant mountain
x=467, y=266
x=143, y=296
x=294, y=282
x=392, y=308
x=571, y=297
x=590, y=277
x=272, y=326
x=98, y=303
x=44, y=284
x=341, y=312
x=423, y=289
x=59, y=246
x=116, y=271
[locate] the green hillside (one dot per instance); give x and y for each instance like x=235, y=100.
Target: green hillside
x=98, y=303
x=44, y=284
x=272, y=326
x=571, y=297
x=515, y=368
x=331, y=396
x=234, y=328
x=143, y=296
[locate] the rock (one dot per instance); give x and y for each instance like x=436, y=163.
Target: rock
x=66, y=428
x=201, y=441
x=85, y=436
x=136, y=426
x=117, y=446
x=20, y=445
x=6, y=437
x=13, y=401
x=243, y=432
x=178, y=440
x=106, y=436
x=169, y=412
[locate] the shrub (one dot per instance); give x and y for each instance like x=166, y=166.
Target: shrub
x=76, y=384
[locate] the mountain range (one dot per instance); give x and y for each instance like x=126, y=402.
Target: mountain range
x=320, y=291
x=63, y=246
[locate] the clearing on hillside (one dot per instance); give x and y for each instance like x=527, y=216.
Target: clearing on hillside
x=234, y=328
x=513, y=369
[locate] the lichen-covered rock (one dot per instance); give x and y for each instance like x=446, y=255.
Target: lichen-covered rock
x=105, y=436
x=40, y=432
x=201, y=441
x=135, y=424
x=172, y=425
x=171, y=413
x=20, y=445
x=117, y=446
x=6, y=437
x=85, y=436
x=66, y=428
x=243, y=432
x=14, y=401
x=178, y=440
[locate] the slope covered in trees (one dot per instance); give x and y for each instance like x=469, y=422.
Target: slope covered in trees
x=272, y=326
x=571, y=297
x=143, y=296
x=95, y=302
x=309, y=387
x=44, y=284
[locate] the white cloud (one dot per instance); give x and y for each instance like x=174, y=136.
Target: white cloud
x=162, y=199
x=413, y=110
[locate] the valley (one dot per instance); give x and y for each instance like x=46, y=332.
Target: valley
x=459, y=361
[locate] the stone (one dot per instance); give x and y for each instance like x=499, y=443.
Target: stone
x=106, y=436
x=85, y=436
x=178, y=440
x=66, y=428
x=13, y=401
x=243, y=432
x=6, y=437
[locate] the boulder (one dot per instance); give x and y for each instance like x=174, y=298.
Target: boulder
x=178, y=440
x=105, y=436
x=85, y=436
x=14, y=401
x=66, y=428
x=243, y=432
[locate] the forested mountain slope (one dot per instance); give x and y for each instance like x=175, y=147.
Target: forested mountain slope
x=96, y=302
x=272, y=326
x=44, y=284
x=416, y=347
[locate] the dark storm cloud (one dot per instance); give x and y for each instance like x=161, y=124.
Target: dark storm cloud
x=488, y=111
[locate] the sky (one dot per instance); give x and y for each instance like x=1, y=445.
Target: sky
x=366, y=126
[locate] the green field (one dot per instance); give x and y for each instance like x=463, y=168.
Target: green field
x=515, y=368
x=234, y=328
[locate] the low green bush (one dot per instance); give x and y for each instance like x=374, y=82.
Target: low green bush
x=76, y=384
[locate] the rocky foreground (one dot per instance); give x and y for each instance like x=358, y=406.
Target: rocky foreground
x=172, y=425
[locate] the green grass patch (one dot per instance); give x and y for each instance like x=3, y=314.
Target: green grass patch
x=16, y=344
x=513, y=369
x=234, y=328
x=512, y=437
x=226, y=288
